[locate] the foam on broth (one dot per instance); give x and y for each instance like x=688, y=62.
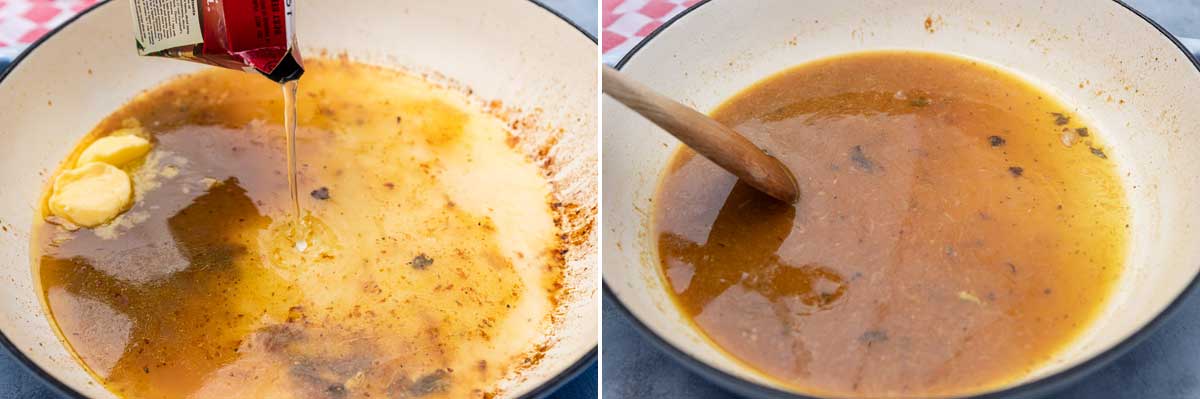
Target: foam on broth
x=957, y=228
x=433, y=265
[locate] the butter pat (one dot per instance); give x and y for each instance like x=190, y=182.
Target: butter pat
x=91, y=194
x=115, y=150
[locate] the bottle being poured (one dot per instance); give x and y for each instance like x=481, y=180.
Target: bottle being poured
x=252, y=36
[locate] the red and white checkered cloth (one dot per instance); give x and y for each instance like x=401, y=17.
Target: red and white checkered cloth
x=627, y=22
x=24, y=21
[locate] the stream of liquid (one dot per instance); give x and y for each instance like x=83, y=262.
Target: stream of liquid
x=289, y=126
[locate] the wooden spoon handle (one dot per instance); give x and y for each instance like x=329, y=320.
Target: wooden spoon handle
x=717, y=142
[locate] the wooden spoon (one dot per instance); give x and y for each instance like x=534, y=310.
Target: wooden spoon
x=720, y=144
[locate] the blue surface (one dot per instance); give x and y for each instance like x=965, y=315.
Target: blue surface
x=1166, y=366
x=17, y=383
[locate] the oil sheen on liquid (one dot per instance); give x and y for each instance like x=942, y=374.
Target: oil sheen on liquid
x=429, y=269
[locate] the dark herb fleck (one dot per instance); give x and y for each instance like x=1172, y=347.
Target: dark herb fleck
x=430, y=383
x=1098, y=152
x=1046, y=291
x=1060, y=119
x=337, y=390
x=920, y=102
x=1011, y=267
x=319, y=375
x=321, y=193
x=872, y=337
x=1082, y=132
x=996, y=141
x=1016, y=171
x=860, y=159
x=420, y=262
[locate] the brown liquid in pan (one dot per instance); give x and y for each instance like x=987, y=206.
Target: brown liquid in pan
x=430, y=270
x=957, y=228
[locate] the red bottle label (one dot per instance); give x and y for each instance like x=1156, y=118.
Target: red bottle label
x=237, y=34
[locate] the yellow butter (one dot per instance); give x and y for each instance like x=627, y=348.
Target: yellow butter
x=91, y=194
x=132, y=128
x=115, y=150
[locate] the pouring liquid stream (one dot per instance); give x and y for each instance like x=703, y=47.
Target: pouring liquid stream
x=299, y=230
